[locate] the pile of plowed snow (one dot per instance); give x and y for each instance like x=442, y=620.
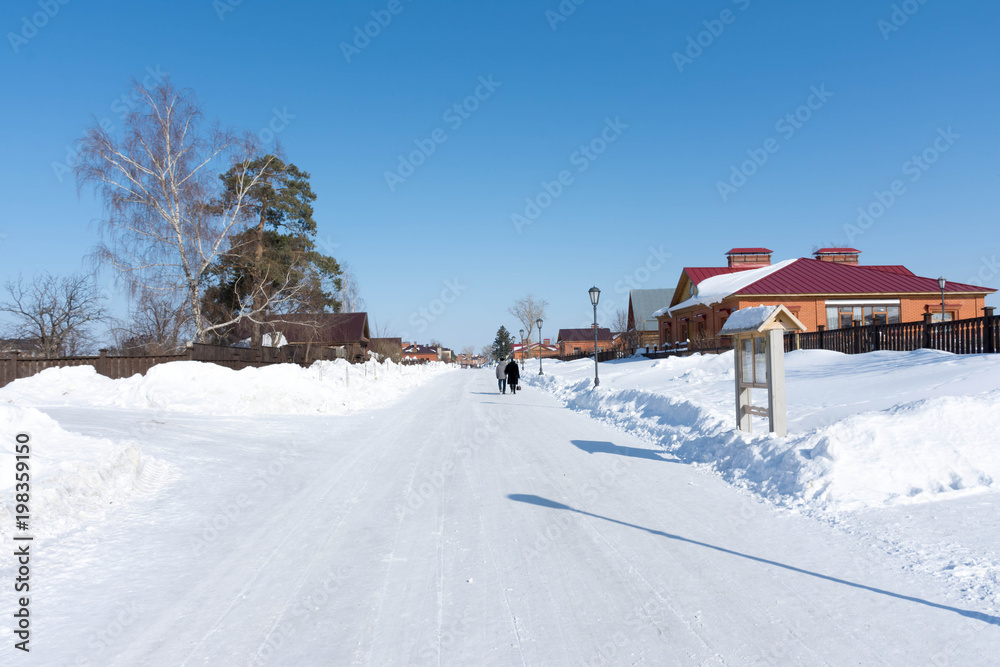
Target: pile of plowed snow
x=864, y=430
x=326, y=387
x=72, y=479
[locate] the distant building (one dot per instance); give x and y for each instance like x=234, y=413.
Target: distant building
x=581, y=341
x=532, y=350
x=423, y=354
x=643, y=329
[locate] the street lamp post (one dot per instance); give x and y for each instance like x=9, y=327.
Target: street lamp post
x=595, y=295
x=941, y=284
x=538, y=323
x=522, y=349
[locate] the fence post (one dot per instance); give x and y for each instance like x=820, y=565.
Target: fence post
x=821, y=328
x=926, y=343
x=989, y=344
x=856, y=343
x=190, y=350
x=102, y=363
x=13, y=364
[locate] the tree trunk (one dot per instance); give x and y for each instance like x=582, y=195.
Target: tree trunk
x=256, y=335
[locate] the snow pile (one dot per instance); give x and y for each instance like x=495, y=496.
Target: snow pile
x=326, y=387
x=868, y=430
x=74, y=479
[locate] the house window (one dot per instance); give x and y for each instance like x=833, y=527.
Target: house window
x=684, y=332
x=843, y=316
x=576, y=350
x=948, y=316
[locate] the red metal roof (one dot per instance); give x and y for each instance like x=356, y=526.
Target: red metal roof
x=837, y=251
x=749, y=251
x=813, y=276
x=889, y=268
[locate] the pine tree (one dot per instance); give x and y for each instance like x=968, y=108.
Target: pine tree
x=502, y=345
x=274, y=260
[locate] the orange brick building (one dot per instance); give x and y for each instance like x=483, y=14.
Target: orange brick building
x=581, y=341
x=832, y=290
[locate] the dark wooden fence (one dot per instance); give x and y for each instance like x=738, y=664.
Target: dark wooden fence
x=978, y=335
x=13, y=366
x=606, y=355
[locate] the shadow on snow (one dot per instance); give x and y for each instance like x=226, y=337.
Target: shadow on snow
x=544, y=502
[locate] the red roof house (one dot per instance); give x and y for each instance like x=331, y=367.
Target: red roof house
x=832, y=290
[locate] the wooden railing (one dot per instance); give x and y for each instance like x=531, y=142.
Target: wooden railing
x=978, y=335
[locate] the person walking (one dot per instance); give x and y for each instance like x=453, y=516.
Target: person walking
x=513, y=375
x=501, y=377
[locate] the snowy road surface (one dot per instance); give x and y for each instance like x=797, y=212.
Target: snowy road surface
x=462, y=527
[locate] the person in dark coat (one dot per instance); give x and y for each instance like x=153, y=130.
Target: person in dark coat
x=513, y=375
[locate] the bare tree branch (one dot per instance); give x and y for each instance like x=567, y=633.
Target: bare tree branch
x=58, y=313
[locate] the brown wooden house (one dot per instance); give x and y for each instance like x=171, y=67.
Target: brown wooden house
x=348, y=333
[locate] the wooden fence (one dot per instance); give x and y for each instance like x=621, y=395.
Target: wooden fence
x=978, y=335
x=13, y=366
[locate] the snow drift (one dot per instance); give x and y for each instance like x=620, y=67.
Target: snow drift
x=867, y=430
x=326, y=387
x=74, y=479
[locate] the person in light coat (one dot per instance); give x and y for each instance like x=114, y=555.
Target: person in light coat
x=501, y=377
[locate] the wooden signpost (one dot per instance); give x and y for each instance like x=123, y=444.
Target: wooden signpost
x=758, y=335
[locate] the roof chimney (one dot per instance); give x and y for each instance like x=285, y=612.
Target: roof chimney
x=749, y=258
x=838, y=255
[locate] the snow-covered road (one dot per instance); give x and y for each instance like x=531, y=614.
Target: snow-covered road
x=464, y=527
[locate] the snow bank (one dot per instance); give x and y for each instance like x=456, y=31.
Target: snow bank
x=867, y=430
x=326, y=387
x=74, y=478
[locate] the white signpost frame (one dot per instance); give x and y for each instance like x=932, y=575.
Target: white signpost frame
x=759, y=345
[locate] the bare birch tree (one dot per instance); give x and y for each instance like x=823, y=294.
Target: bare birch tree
x=163, y=223
x=58, y=312
x=527, y=309
x=350, y=292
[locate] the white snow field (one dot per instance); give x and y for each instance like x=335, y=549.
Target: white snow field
x=200, y=516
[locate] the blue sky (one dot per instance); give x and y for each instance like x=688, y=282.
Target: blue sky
x=683, y=93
